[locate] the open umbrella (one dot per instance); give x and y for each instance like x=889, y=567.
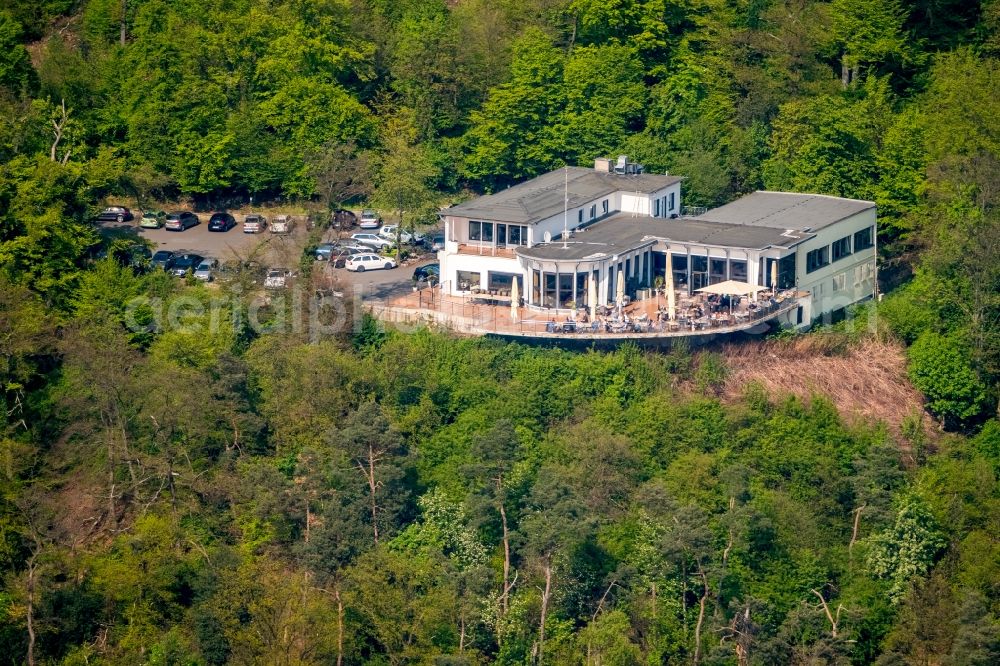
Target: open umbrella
x=592, y=296
x=731, y=288
x=515, y=297
x=620, y=291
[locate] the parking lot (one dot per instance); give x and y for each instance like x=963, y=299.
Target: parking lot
x=274, y=250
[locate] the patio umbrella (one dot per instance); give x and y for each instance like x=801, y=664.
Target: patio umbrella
x=774, y=276
x=515, y=296
x=592, y=296
x=731, y=288
x=669, y=288
x=620, y=291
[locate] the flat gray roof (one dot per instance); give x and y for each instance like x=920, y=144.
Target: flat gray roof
x=534, y=200
x=623, y=232
x=786, y=210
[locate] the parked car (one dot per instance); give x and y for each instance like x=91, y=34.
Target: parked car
x=276, y=278
x=153, y=219
x=336, y=253
x=434, y=242
x=254, y=224
x=370, y=219
x=181, y=220
x=362, y=262
x=389, y=233
x=372, y=240
x=185, y=262
x=354, y=247
x=282, y=224
x=343, y=219
x=205, y=271
x=163, y=259
x=429, y=273
x=115, y=214
x=221, y=222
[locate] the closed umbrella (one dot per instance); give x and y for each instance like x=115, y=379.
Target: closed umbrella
x=515, y=297
x=620, y=291
x=669, y=288
x=592, y=296
x=774, y=276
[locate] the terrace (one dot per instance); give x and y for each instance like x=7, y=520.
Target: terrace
x=491, y=313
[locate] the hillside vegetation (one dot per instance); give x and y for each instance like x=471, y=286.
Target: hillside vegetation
x=182, y=486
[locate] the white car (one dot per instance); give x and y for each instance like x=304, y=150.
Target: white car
x=282, y=224
x=370, y=219
x=370, y=262
x=276, y=278
x=372, y=240
x=389, y=233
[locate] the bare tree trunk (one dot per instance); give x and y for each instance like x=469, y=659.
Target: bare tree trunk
x=58, y=128
x=461, y=631
x=340, y=627
x=546, y=595
x=308, y=520
x=30, y=610
x=845, y=73
x=121, y=34
x=372, y=488
x=854, y=530
x=505, y=595
x=701, y=616
x=834, y=621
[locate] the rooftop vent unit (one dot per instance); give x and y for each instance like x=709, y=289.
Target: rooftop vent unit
x=620, y=166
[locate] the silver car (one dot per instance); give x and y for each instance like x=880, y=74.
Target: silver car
x=206, y=269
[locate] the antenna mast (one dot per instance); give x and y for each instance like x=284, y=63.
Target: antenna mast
x=566, y=206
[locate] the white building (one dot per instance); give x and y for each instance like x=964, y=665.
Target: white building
x=554, y=233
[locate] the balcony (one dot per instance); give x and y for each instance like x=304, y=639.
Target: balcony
x=485, y=250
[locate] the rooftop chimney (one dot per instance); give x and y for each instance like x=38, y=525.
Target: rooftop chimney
x=602, y=164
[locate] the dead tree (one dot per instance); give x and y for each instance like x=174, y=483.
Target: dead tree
x=59, y=127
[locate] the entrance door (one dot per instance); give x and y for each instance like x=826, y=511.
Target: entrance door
x=501, y=235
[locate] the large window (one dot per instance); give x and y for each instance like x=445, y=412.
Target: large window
x=864, y=239
x=679, y=267
x=593, y=211
x=468, y=280
x=604, y=207
x=717, y=271
x=503, y=282
x=481, y=231
x=817, y=259
x=550, y=290
x=672, y=201
x=517, y=235
x=738, y=270
x=841, y=248
x=579, y=216
x=656, y=208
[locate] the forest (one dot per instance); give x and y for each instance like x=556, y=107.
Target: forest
x=210, y=492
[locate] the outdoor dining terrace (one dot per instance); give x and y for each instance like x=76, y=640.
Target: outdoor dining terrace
x=485, y=313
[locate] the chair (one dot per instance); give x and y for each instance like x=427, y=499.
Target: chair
x=550, y=327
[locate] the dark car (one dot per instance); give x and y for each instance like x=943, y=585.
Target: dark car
x=429, y=273
x=221, y=222
x=181, y=220
x=343, y=219
x=163, y=259
x=185, y=262
x=434, y=242
x=115, y=214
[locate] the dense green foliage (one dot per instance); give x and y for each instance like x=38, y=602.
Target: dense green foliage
x=206, y=493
